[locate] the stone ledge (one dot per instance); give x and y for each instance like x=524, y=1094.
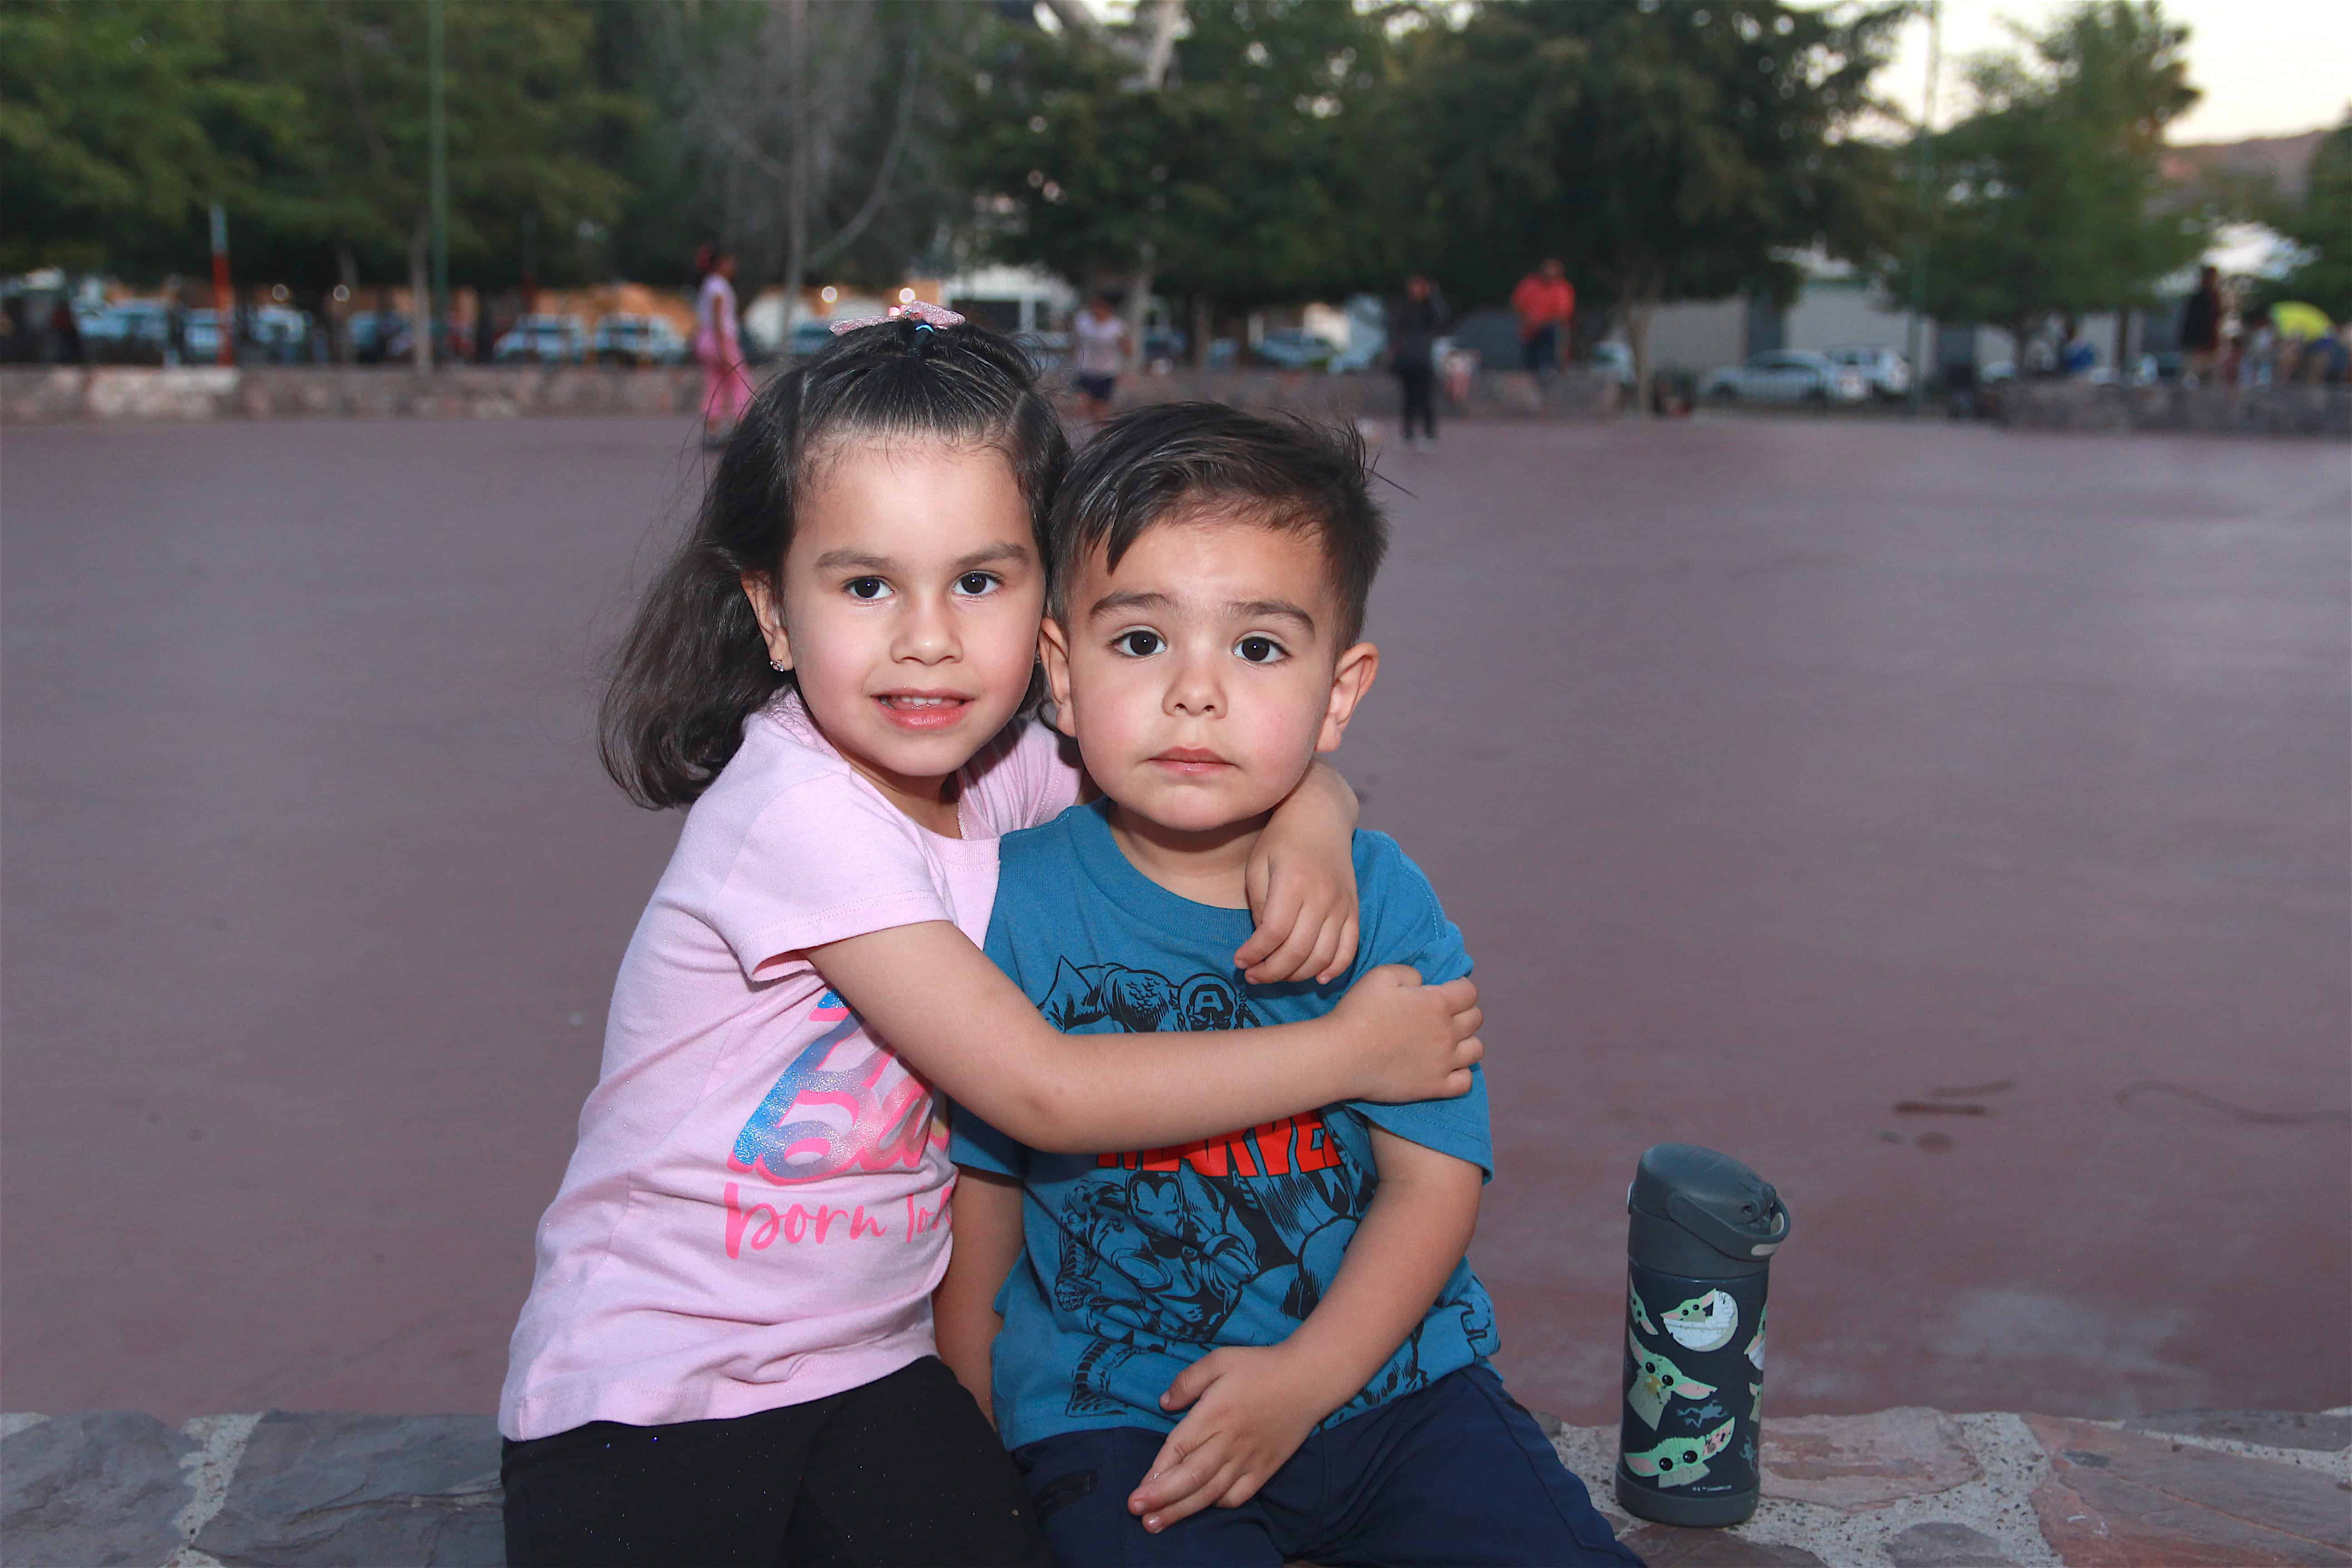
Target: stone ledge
x=2290, y=410
x=1906, y=1488
x=107, y=393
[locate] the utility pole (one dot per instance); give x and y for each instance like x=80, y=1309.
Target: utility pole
x=224, y=296
x=1927, y=178
x=436, y=315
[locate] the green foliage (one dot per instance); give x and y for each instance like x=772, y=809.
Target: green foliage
x=108, y=121
x=1665, y=151
x=2051, y=200
x=1246, y=175
x=307, y=118
x=2322, y=224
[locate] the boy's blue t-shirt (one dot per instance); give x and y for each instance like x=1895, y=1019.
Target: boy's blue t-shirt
x=1138, y=1264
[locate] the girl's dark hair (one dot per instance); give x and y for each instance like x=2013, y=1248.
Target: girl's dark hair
x=694, y=665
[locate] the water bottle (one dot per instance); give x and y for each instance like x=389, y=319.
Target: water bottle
x=1698, y=1249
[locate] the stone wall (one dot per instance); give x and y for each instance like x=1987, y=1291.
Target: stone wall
x=2295, y=410
x=503, y=392
x=1916, y=1489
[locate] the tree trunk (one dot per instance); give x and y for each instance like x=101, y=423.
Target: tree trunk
x=1138, y=302
x=1204, y=323
x=347, y=273
x=1639, y=307
x=796, y=188
x=420, y=296
x=1160, y=53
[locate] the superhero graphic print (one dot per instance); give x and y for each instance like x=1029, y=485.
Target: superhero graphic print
x=1160, y=1248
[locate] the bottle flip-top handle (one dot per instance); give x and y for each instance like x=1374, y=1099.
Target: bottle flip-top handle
x=1732, y=1240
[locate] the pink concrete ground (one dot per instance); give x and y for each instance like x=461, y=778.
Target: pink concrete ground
x=1780, y=773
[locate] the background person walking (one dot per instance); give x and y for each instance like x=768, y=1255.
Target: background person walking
x=2201, y=323
x=1416, y=323
x=718, y=344
x=1545, y=302
x=1101, y=345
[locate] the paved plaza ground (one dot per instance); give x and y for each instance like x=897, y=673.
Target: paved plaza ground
x=1950, y=823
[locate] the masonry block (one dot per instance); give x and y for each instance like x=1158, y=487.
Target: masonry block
x=338, y=1488
x=91, y=1490
x=1859, y=1462
x=2124, y=1500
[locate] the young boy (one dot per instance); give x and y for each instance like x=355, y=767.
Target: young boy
x=1277, y=1321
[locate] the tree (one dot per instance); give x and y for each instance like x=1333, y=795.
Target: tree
x=2051, y=199
x=2322, y=225
x=1664, y=151
x=807, y=136
x=526, y=113
x=106, y=121
x=308, y=119
x=1234, y=177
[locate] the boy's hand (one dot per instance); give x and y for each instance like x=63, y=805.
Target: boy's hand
x=1254, y=1406
x=1410, y=1041
x=1301, y=884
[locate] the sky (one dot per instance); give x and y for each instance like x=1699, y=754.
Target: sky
x=2268, y=67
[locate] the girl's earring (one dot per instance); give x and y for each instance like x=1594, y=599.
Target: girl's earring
x=779, y=665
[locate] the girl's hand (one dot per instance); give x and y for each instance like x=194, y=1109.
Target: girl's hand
x=1251, y=1409
x=1301, y=882
x=1410, y=1041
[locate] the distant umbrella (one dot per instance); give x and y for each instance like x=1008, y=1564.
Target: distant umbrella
x=2293, y=319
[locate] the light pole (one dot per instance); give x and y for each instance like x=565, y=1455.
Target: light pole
x=434, y=325
x=1927, y=177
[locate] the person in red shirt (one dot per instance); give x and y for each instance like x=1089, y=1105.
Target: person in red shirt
x=1545, y=302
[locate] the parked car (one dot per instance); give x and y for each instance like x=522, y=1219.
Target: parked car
x=136, y=331
x=1293, y=349
x=200, y=337
x=1615, y=361
x=1886, y=372
x=637, y=340
x=1049, y=351
x=1364, y=349
x=372, y=334
x=543, y=339
x=283, y=335
x=808, y=337
x=1164, y=343
x=1786, y=376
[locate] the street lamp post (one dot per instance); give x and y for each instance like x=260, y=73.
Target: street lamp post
x=1927, y=178
x=434, y=325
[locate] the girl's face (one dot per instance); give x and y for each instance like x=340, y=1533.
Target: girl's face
x=911, y=596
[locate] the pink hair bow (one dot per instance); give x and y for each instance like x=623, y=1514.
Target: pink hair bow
x=928, y=315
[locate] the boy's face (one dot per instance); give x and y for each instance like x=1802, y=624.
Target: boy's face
x=1201, y=676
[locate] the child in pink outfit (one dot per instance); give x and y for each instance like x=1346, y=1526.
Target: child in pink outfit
x=727, y=1355
x=719, y=345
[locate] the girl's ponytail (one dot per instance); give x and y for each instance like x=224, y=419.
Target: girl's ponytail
x=693, y=666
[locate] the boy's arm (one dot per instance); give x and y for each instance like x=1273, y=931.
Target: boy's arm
x=945, y=1007
x=987, y=1244
x=1252, y=1406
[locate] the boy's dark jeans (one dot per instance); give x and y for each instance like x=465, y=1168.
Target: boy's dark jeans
x=1454, y=1474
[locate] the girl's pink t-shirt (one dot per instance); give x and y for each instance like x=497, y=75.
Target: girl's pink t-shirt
x=757, y=1210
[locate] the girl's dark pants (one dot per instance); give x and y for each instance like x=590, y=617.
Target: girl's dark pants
x=1420, y=381
x=903, y=1471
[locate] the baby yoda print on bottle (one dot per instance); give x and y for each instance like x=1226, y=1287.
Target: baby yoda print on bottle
x=1700, y=1244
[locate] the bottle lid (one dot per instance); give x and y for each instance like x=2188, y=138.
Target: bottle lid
x=1713, y=1197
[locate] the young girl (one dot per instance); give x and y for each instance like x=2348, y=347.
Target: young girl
x=719, y=345
x=727, y=1355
